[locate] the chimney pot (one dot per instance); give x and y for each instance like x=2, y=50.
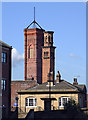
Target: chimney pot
x=75, y=81
x=58, y=77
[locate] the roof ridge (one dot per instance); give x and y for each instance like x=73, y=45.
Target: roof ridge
x=32, y=87
x=81, y=84
x=5, y=44
x=70, y=84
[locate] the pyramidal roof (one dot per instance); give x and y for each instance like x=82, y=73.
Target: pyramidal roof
x=34, y=24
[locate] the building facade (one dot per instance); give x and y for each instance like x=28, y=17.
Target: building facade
x=18, y=86
x=6, y=79
x=39, y=58
x=61, y=92
x=39, y=66
x=0, y=82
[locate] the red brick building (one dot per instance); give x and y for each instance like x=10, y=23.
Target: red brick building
x=6, y=79
x=39, y=59
x=39, y=53
x=33, y=42
x=0, y=82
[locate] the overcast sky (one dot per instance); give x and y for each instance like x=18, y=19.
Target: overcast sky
x=67, y=20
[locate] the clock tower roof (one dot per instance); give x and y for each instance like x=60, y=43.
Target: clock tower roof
x=34, y=24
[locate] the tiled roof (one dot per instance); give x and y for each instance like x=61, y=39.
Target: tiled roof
x=81, y=87
x=62, y=86
x=4, y=44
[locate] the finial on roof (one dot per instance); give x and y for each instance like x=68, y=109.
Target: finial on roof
x=34, y=22
x=34, y=13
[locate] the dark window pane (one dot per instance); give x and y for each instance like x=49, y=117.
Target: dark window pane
x=35, y=101
x=3, y=84
x=49, y=39
x=3, y=57
x=45, y=54
x=26, y=102
x=64, y=101
x=59, y=101
x=30, y=102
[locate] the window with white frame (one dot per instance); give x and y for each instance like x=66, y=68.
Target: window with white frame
x=4, y=55
x=63, y=101
x=3, y=84
x=31, y=102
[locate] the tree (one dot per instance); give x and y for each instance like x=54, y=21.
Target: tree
x=72, y=106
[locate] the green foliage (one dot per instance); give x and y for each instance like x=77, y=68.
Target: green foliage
x=72, y=106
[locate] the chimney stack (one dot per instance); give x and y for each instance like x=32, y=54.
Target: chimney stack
x=75, y=81
x=58, y=77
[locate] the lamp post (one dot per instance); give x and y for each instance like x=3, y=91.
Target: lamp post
x=17, y=105
x=16, y=101
x=49, y=75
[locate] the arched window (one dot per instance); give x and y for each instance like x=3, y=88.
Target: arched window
x=30, y=53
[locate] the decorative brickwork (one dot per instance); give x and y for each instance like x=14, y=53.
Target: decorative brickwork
x=39, y=54
x=38, y=60
x=48, y=56
x=33, y=60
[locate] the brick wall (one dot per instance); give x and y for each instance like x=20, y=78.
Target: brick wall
x=0, y=83
x=48, y=63
x=6, y=74
x=33, y=66
x=20, y=85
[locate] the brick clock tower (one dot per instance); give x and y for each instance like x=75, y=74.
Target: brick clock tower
x=39, y=53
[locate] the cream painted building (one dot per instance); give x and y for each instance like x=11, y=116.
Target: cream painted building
x=60, y=92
